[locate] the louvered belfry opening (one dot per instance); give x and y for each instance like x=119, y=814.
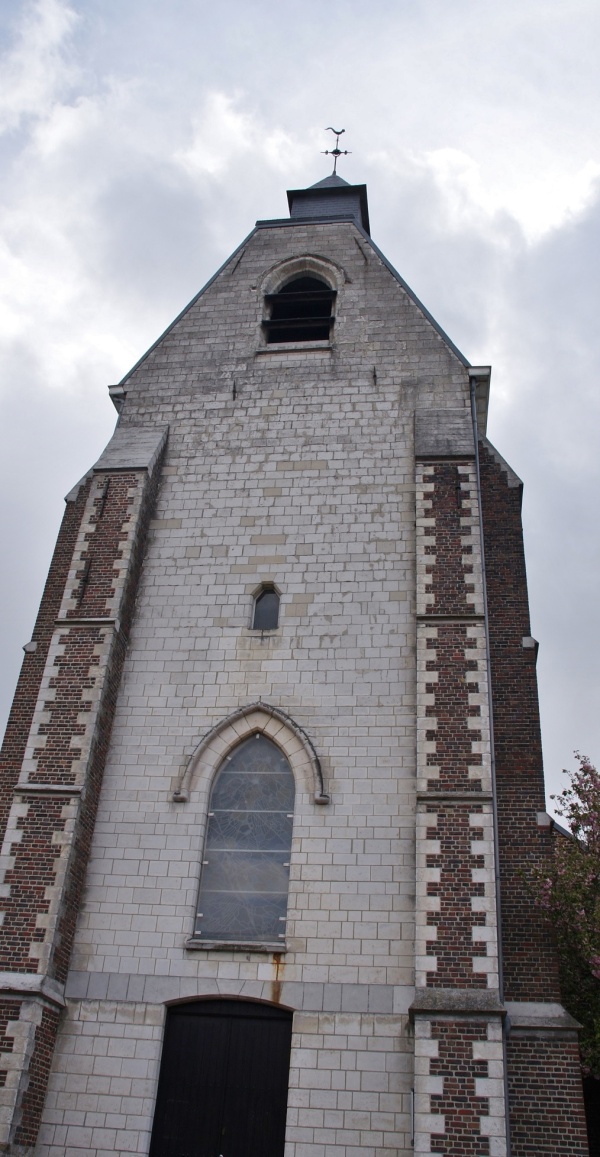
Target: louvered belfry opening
x=301, y=311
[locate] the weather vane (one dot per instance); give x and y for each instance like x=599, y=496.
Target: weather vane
x=337, y=152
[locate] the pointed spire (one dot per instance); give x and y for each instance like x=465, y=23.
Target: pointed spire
x=334, y=181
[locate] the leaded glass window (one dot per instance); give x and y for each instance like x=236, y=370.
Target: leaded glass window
x=245, y=872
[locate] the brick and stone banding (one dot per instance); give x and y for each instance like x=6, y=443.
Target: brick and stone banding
x=97, y=568
x=49, y=827
x=76, y=657
x=32, y=1101
x=34, y=663
x=457, y=941
x=7, y=1013
x=459, y=1098
x=449, y=580
x=455, y=660
x=455, y=948
x=33, y=846
x=461, y=1104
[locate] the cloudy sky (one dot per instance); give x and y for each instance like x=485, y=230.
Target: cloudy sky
x=141, y=139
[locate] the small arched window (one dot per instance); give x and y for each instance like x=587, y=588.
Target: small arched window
x=245, y=871
x=302, y=310
x=265, y=616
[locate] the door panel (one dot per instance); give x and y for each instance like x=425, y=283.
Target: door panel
x=223, y=1081
x=257, y=1087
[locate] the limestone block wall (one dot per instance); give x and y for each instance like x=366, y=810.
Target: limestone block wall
x=293, y=466
x=350, y=1084
x=101, y=1092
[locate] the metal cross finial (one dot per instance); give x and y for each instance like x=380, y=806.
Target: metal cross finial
x=337, y=152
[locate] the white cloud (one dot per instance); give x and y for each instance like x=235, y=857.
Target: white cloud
x=458, y=176
x=35, y=70
x=538, y=202
x=224, y=136
x=221, y=136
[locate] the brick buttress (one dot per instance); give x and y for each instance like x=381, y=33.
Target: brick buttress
x=459, y=1056
x=53, y=759
x=544, y=1076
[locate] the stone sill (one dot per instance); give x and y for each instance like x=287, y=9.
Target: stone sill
x=196, y=945
x=256, y=633
x=294, y=347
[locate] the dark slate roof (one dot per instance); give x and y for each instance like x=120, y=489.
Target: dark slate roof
x=332, y=197
x=331, y=182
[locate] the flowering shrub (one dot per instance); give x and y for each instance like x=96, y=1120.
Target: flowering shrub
x=570, y=895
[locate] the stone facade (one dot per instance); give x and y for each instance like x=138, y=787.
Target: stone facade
x=344, y=473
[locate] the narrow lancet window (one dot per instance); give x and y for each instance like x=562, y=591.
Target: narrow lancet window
x=266, y=610
x=245, y=872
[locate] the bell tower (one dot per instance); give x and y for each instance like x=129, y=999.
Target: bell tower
x=272, y=781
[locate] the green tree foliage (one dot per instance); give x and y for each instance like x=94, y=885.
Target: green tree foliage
x=571, y=897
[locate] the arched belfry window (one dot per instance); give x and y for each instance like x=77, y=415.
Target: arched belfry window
x=265, y=616
x=245, y=870
x=302, y=310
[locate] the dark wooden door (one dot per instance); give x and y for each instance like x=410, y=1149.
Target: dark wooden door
x=223, y=1084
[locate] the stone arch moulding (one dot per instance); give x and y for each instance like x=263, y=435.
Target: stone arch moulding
x=278, y=275
x=257, y=718
x=219, y=990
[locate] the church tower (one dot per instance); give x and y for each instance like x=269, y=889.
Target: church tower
x=271, y=784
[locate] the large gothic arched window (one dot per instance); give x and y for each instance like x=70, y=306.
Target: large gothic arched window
x=245, y=870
